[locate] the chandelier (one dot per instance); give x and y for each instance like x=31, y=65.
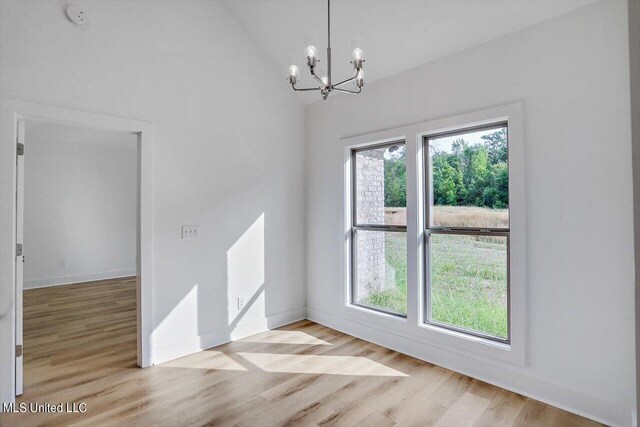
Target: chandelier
x=326, y=85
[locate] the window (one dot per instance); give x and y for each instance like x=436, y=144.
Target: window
x=467, y=231
x=379, y=230
x=433, y=243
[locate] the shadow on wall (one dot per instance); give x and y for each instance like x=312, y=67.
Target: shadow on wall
x=246, y=275
x=224, y=312
x=279, y=351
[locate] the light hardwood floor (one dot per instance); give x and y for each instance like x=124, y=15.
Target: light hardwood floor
x=80, y=346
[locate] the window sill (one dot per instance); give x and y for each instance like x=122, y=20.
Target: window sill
x=471, y=345
x=468, y=337
x=434, y=336
x=379, y=313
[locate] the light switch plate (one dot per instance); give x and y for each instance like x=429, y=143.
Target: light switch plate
x=190, y=231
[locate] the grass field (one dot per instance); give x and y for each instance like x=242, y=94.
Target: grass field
x=455, y=216
x=468, y=274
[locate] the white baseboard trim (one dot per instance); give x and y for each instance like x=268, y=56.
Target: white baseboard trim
x=166, y=352
x=593, y=407
x=78, y=278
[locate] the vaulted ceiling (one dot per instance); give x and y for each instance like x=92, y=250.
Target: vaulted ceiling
x=398, y=34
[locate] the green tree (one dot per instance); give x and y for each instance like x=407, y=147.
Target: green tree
x=501, y=184
x=478, y=172
x=496, y=143
x=395, y=179
x=472, y=175
x=444, y=181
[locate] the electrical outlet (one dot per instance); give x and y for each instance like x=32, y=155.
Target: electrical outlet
x=240, y=303
x=61, y=264
x=190, y=231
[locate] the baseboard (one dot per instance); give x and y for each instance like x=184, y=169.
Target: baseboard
x=78, y=278
x=166, y=352
x=592, y=407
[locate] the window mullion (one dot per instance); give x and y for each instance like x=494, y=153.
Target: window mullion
x=467, y=231
x=375, y=227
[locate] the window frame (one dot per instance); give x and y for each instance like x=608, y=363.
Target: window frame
x=356, y=226
x=387, y=329
x=429, y=230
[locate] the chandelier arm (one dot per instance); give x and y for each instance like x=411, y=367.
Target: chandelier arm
x=348, y=91
x=346, y=81
x=303, y=89
x=315, y=76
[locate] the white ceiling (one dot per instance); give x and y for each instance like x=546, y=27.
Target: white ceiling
x=399, y=34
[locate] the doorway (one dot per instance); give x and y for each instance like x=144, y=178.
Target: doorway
x=77, y=190
x=15, y=117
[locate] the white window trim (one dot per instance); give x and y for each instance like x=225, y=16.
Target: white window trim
x=413, y=326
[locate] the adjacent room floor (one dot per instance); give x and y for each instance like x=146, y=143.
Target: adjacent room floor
x=80, y=346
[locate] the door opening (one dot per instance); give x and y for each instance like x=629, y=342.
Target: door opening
x=14, y=126
x=76, y=260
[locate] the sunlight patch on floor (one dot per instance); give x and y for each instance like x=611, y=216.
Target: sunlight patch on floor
x=206, y=360
x=286, y=337
x=320, y=364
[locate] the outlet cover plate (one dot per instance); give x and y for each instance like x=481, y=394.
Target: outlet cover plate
x=190, y=231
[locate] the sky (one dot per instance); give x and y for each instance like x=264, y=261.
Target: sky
x=388, y=154
x=472, y=138
x=444, y=144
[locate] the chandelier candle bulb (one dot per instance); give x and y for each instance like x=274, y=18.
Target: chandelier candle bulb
x=357, y=51
x=312, y=55
x=357, y=58
x=293, y=74
x=312, y=51
x=325, y=81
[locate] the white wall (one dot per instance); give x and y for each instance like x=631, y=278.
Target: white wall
x=80, y=204
x=228, y=150
x=572, y=75
x=229, y=155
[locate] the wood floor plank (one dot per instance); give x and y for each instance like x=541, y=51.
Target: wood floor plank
x=80, y=346
x=466, y=410
x=503, y=411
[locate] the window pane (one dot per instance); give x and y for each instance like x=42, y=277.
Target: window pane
x=469, y=282
x=470, y=179
x=381, y=186
x=381, y=270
